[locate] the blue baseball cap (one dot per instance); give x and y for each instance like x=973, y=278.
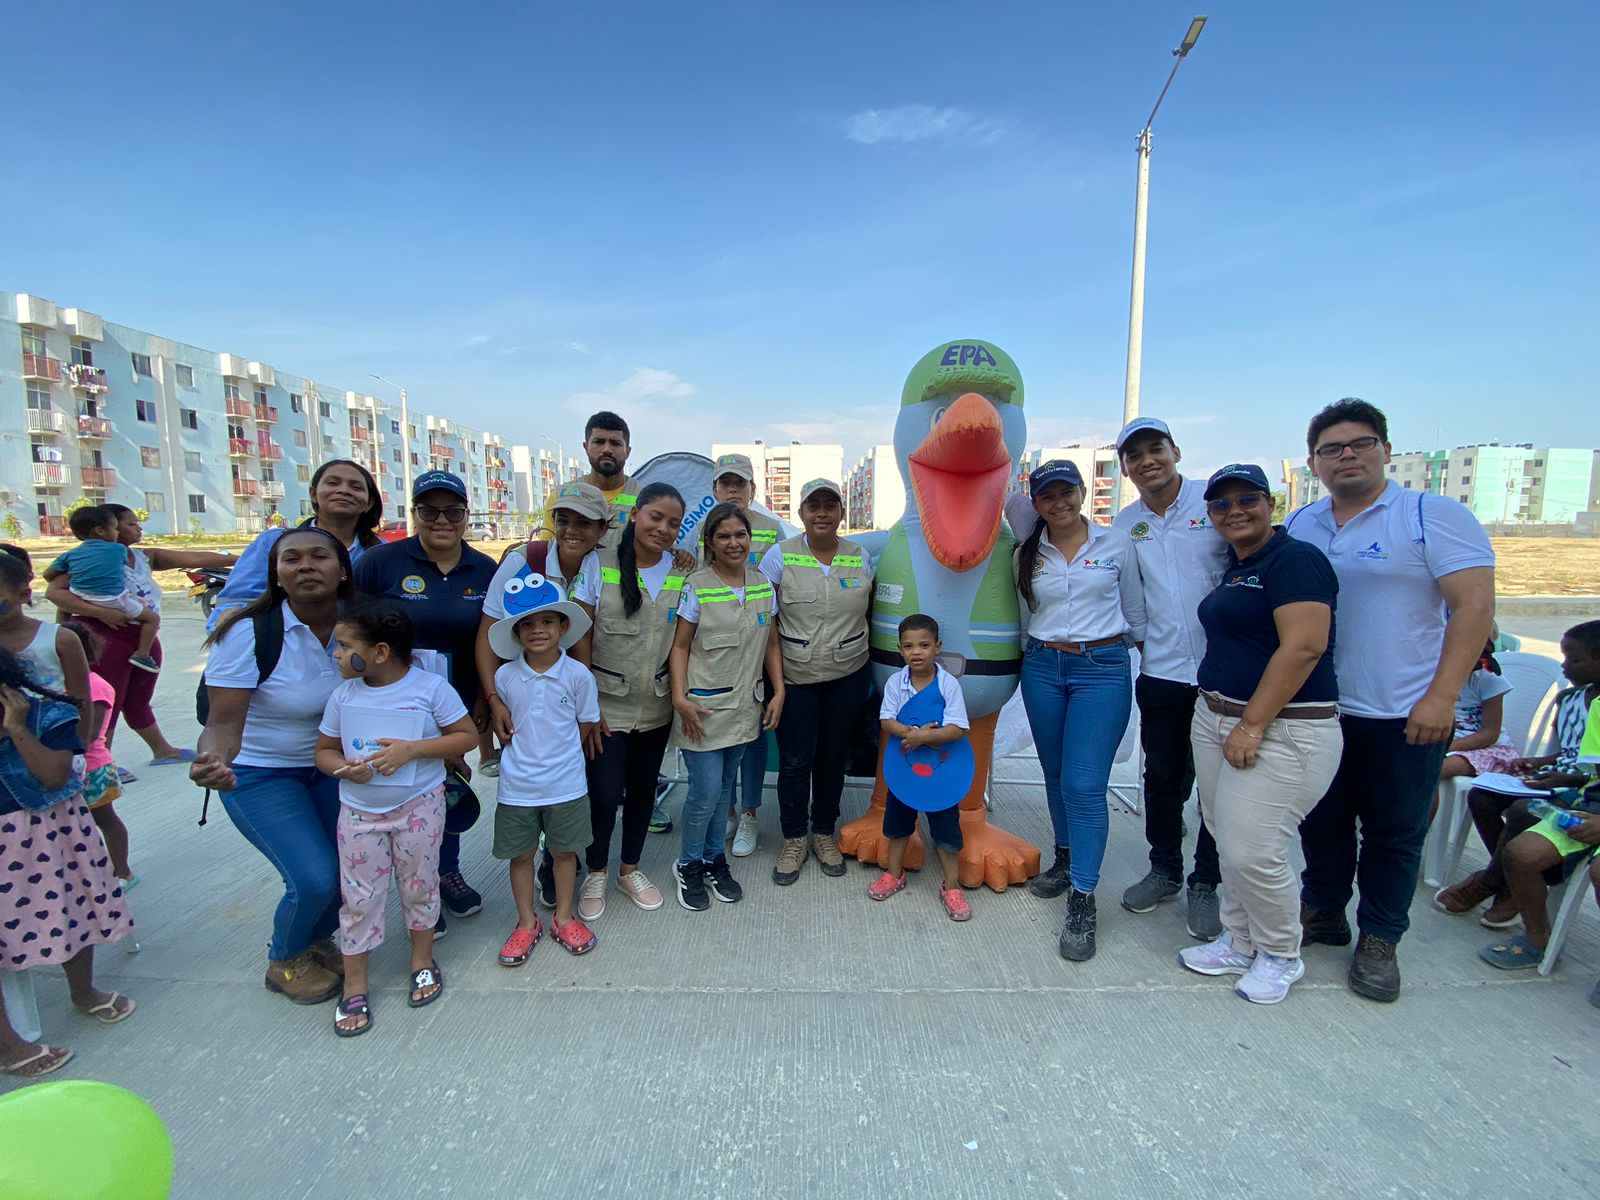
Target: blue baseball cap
x=1057, y=470
x=438, y=481
x=1244, y=473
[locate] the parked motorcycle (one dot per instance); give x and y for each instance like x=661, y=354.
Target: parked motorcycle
x=204, y=584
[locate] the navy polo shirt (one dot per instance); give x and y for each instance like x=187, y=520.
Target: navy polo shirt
x=444, y=609
x=1237, y=616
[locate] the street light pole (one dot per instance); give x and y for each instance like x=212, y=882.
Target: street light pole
x=405, y=450
x=1141, y=205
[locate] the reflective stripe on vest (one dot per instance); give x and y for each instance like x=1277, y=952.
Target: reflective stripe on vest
x=726, y=595
x=806, y=560
x=672, y=583
x=623, y=500
x=770, y=536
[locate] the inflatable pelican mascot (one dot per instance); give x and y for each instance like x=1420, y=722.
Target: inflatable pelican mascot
x=960, y=432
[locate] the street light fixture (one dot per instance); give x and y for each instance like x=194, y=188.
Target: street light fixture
x=405, y=449
x=1130, y=389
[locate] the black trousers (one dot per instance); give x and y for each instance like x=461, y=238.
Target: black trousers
x=624, y=774
x=814, y=738
x=1166, y=710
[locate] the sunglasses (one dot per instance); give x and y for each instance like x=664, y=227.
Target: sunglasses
x=428, y=513
x=1334, y=449
x=1247, y=501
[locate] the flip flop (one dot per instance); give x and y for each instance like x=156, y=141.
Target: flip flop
x=1514, y=954
x=352, y=1006
x=426, y=977
x=172, y=760
x=107, y=1012
x=48, y=1059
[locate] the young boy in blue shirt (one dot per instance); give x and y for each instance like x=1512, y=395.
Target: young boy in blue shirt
x=97, y=572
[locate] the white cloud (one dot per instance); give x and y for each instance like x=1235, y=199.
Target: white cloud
x=652, y=401
x=477, y=339
x=919, y=123
x=579, y=347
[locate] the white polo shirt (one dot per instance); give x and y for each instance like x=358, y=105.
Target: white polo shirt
x=1097, y=595
x=417, y=706
x=280, y=727
x=544, y=763
x=1181, y=558
x=899, y=688
x=1390, y=615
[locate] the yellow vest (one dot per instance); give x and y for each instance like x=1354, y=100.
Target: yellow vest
x=724, y=676
x=630, y=653
x=822, y=619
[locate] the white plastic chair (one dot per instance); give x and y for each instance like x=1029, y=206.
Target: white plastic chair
x=1526, y=721
x=1565, y=904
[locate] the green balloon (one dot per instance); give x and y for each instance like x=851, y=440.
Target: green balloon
x=80, y=1140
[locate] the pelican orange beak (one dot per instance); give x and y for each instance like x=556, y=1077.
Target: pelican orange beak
x=959, y=475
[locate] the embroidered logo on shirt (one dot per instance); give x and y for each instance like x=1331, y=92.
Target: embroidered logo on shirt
x=1140, y=532
x=1200, y=523
x=1038, y=565
x=1098, y=564
x=1373, y=551
x=1249, y=581
x=413, y=585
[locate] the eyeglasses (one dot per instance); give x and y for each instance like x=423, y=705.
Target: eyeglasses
x=428, y=513
x=1247, y=501
x=1334, y=449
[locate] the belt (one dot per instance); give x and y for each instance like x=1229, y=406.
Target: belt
x=1290, y=712
x=1083, y=647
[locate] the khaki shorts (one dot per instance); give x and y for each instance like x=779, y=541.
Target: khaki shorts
x=565, y=827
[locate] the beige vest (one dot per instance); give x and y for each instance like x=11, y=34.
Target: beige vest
x=630, y=653
x=724, y=677
x=621, y=513
x=822, y=619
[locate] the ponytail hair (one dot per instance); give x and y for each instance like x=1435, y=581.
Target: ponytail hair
x=14, y=674
x=627, y=556
x=1027, y=551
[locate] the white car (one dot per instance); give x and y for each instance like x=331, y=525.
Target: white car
x=479, y=532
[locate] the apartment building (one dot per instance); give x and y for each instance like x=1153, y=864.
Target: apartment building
x=781, y=471
x=1098, y=466
x=199, y=439
x=875, y=493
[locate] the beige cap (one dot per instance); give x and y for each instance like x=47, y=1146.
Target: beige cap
x=584, y=499
x=813, y=486
x=734, y=464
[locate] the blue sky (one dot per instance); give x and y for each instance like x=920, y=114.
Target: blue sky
x=748, y=220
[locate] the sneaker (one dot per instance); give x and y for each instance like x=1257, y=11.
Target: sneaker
x=1049, y=884
x=826, y=847
x=1219, y=957
x=546, y=880
x=1461, y=898
x=592, y=896
x=886, y=885
x=490, y=769
x=1375, y=971
x=744, y=836
x=636, y=886
x=1153, y=889
x=519, y=945
x=721, y=881
x=1077, y=935
x=1328, y=928
x=1502, y=914
x=145, y=663
x=441, y=926
x=659, y=821
x=691, y=880
x=1205, y=911
x=790, y=859
x=1269, y=978
x=955, y=903
x=459, y=895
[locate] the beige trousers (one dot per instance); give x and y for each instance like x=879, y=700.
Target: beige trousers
x=1255, y=816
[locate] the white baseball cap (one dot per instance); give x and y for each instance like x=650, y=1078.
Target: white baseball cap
x=1142, y=425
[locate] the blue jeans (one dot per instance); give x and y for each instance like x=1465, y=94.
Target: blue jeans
x=290, y=815
x=1078, y=706
x=753, y=774
x=705, y=810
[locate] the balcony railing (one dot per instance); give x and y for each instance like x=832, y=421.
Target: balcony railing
x=246, y=487
x=239, y=408
x=99, y=477
x=89, y=379
x=52, y=526
x=44, y=420
x=240, y=447
x=40, y=366
x=94, y=427
x=270, y=451
x=439, y=450
x=49, y=475
x=272, y=489
x=265, y=414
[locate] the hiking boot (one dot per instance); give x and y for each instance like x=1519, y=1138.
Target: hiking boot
x=1269, y=978
x=790, y=859
x=826, y=847
x=302, y=980
x=458, y=895
x=1205, y=911
x=721, y=881
x=1374, y=971
x=1319, y=925
x=691, y=880
x=1150, y=891
x=326, y=955
x=1461, y=898
x=1077, y=935
x=1047, y=885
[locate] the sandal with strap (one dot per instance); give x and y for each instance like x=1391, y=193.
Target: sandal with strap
x=108, y=1011
x=520, y=944
x=1514, y=954
x=426, y=977
x=45, y=1060
x=574, y=937
x=352, y=1008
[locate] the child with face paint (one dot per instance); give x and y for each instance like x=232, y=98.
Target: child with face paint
x=391, y=795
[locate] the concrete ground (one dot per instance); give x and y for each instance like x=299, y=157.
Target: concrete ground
x=808, y=1042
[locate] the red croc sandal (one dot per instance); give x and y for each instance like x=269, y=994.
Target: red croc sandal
x=574, y=937
x=520, y=944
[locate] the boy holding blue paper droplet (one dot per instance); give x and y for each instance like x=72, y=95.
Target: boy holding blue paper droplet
x=903, y=696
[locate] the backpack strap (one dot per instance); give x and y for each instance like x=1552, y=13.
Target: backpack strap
x=536, y=555
x=269, y=641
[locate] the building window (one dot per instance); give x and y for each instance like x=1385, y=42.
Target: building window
x=413, y=430
x=1538, y=462
x=38, y=397
x=305, y=508
x=141, y=365
x=1462, y=497
x=197, y=504
x=300, y=438
x=323, y=410
x=1466, y=477
x=261, y=395
x=302, y=473
x=191, y=461
x=155, y=502
x=146, y=410
x=82, y=354
x=235, y=431
x=150, y=456
x=415, y=461
x=185, y=374
x=33, y=343
x=397, y=457
x=295, y=403
x=1467, y=461
x=394, y=428
x=189, y=418
x=230, y=390
x=1408, y=483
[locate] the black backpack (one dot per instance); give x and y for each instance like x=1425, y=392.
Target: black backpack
x=269, y=648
